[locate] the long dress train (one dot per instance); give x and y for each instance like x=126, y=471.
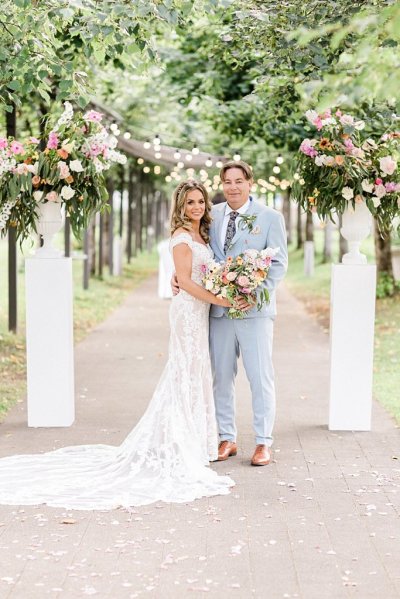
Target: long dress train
x=164, y=458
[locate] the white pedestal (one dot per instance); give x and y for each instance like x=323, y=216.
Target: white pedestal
x=49, y=340
x=352, y=346
x=117, y=256
x=309, y=258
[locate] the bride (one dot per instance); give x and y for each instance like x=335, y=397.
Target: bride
x=166, y=456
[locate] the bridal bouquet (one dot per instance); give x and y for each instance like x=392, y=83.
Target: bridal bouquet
x=339, y=165
x=240, y=277
x=67, y=170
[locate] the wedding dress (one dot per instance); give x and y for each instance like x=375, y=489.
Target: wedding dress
x=164, y=458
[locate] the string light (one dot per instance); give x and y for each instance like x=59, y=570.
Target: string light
x=271, y=178
x=280, y=159
x=114, y=127
x=146, y=169
x=209, y=162
x=157, y=155
x=177, y=154
x=276, y=169
x=157, y=169
x=236, y=157
x=188, y=157
x=147, y=144
x=195, y=150
x=219, y=164
x=140, y=160
x=157, y=140
x=168, y=178
x=127, y=135
x=180, y=165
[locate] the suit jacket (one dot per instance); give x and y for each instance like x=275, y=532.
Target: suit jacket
x=268, y=231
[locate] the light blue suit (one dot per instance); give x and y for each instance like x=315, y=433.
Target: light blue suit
x=252, y=335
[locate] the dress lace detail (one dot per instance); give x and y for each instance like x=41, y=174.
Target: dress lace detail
x=165, y=457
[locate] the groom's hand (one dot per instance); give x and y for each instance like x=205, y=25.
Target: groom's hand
x=174, y=284
x=242, y=305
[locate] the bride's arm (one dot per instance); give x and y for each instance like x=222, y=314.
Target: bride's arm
x=183, y=267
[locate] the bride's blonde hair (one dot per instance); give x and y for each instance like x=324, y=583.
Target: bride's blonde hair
x=178, y=216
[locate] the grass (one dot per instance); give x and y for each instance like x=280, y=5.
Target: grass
x=90, y=308
x=315, y=293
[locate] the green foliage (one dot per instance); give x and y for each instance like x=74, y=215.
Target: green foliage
x=386, y=286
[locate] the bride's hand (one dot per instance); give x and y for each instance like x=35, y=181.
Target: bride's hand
x=224, y=303
x=174, y=284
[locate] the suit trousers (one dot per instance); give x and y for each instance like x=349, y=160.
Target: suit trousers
x=251, y=337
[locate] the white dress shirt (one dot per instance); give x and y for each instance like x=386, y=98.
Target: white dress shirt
x=228, y=210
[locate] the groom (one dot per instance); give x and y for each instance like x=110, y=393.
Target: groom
x=239, y=224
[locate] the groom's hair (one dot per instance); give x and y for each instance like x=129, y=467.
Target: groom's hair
x=244, y=167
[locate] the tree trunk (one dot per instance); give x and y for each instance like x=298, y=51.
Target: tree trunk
x=327, y=253
x=11, y=129
x=299, y=228
x=343, y=245
x=383, y=252
x=287, y=215
x=309, y=227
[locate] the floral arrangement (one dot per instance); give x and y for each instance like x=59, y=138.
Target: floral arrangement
x=340, y=165
x=240, y=277
x=69, y=171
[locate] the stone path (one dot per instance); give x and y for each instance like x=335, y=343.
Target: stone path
x=322, y=521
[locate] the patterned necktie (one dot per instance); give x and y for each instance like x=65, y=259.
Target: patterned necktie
x=231, y=230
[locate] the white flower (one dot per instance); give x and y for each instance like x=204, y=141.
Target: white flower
x=387, y=165
x=37, y=195
x=33, y=168
x=209, y=285
x=347, y=193
x=67, y=192
x=68, y=146
x=329, y=160
x=380, y=190
x=359, y=125
x=347, y=119
x=367, y=186
x=311, y=116
x=329, y=121
x=269, y=252
x=369, y=144
x=376, y=202
x=76, y=166
x=320, y=160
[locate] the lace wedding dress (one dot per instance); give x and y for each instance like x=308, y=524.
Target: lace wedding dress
x=164, y=458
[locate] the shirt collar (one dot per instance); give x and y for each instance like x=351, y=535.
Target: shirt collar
x=241, y=210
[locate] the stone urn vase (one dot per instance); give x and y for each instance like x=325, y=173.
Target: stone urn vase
x=356, y=226
x=50, y=221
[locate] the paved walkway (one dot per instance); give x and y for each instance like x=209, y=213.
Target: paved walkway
x=322, y=521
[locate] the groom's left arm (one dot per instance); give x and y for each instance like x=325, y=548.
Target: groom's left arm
x=276, y=238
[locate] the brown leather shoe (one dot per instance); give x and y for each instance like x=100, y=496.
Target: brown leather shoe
x=226, y=449
x=261, y=456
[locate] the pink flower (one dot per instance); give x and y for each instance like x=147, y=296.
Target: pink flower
x=33, y=140
x=64, y=170
x=307, y=147
x=203, y=268
x=243, y=281
x=347, y=119
x=96, y=149
x=52, y=196
x=93, y=116
x=390, y=186
x=349, y=145
x=246, y=290
x=231, y=276
x=378, y=181
x=17, y=148
x=53, y=141
x=387, y=165
x=3, y=143
x=338, y=113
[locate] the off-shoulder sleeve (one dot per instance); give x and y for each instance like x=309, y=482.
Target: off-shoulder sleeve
x=181, y=238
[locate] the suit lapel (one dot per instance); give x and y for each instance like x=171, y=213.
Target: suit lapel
x=241, y=227
x=218, y=220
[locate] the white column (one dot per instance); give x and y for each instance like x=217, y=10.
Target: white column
x=352, y=346
x=49, y=338
x=309, y=258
